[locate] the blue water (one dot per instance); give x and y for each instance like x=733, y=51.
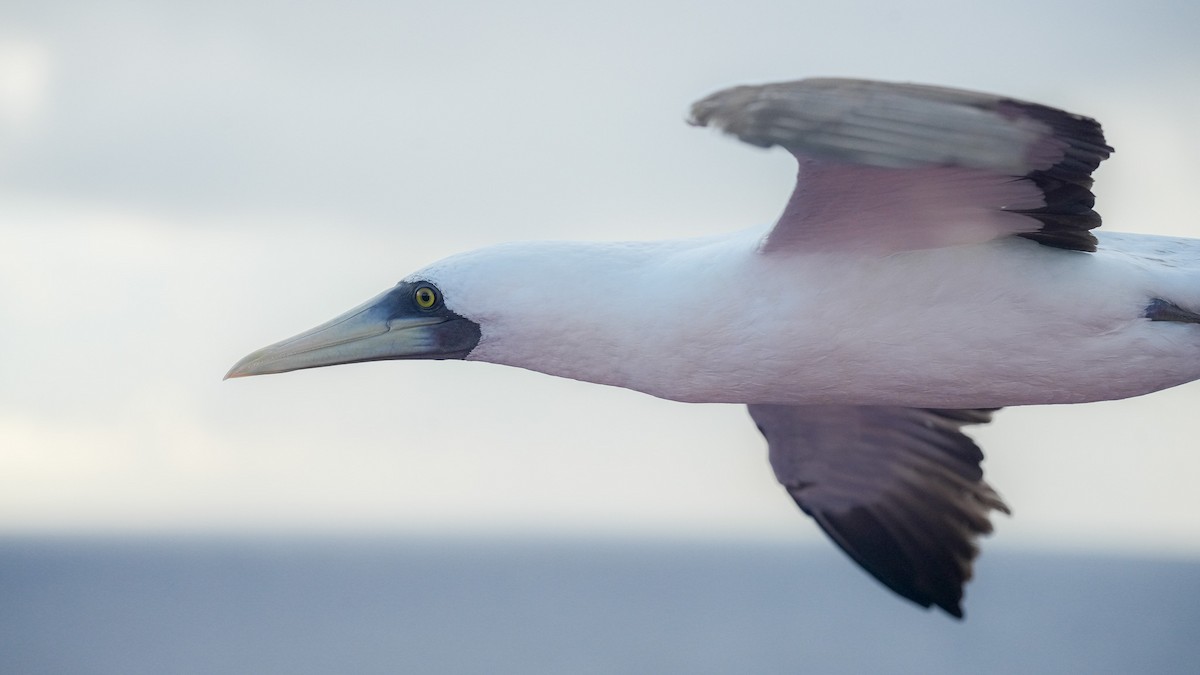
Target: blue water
x=338, y=605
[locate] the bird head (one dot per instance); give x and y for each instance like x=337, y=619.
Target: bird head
x=408, y=321
x=443, y=311
x=563, y=308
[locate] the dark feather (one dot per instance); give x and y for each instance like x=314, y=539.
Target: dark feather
x=900, y=490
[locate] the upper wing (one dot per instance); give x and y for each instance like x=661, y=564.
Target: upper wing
x=898, y=489
x=891, y=167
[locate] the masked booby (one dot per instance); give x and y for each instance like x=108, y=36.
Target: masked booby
x=935, y=262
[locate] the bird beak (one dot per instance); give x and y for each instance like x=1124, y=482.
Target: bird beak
x=385, y=327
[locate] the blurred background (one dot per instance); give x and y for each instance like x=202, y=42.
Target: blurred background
x=183, y=183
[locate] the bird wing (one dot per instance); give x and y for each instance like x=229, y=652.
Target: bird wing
x=900, y=490
x=888, y=167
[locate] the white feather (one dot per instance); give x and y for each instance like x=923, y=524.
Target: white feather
x=1006, y=322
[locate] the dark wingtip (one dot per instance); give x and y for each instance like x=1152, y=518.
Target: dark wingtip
x=916, y=528
x=1067, y=217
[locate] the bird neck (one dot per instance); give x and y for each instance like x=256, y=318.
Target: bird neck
x=609, y=313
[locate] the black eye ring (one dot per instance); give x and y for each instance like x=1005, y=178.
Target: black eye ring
x=425, y=297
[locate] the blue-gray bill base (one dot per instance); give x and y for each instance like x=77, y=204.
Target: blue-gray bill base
x=936, y=262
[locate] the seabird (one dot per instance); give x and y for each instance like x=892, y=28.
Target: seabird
x=935, y=263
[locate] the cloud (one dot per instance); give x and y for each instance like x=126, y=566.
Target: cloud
x=25, y=68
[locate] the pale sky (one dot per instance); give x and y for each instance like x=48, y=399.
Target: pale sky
x=181, y=184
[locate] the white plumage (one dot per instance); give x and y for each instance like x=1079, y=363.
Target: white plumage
x=934, y=263
x=712, y=320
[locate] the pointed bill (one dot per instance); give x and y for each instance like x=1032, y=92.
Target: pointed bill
x=389, y=326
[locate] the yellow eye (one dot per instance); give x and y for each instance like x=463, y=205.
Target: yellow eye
x=426, y=297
